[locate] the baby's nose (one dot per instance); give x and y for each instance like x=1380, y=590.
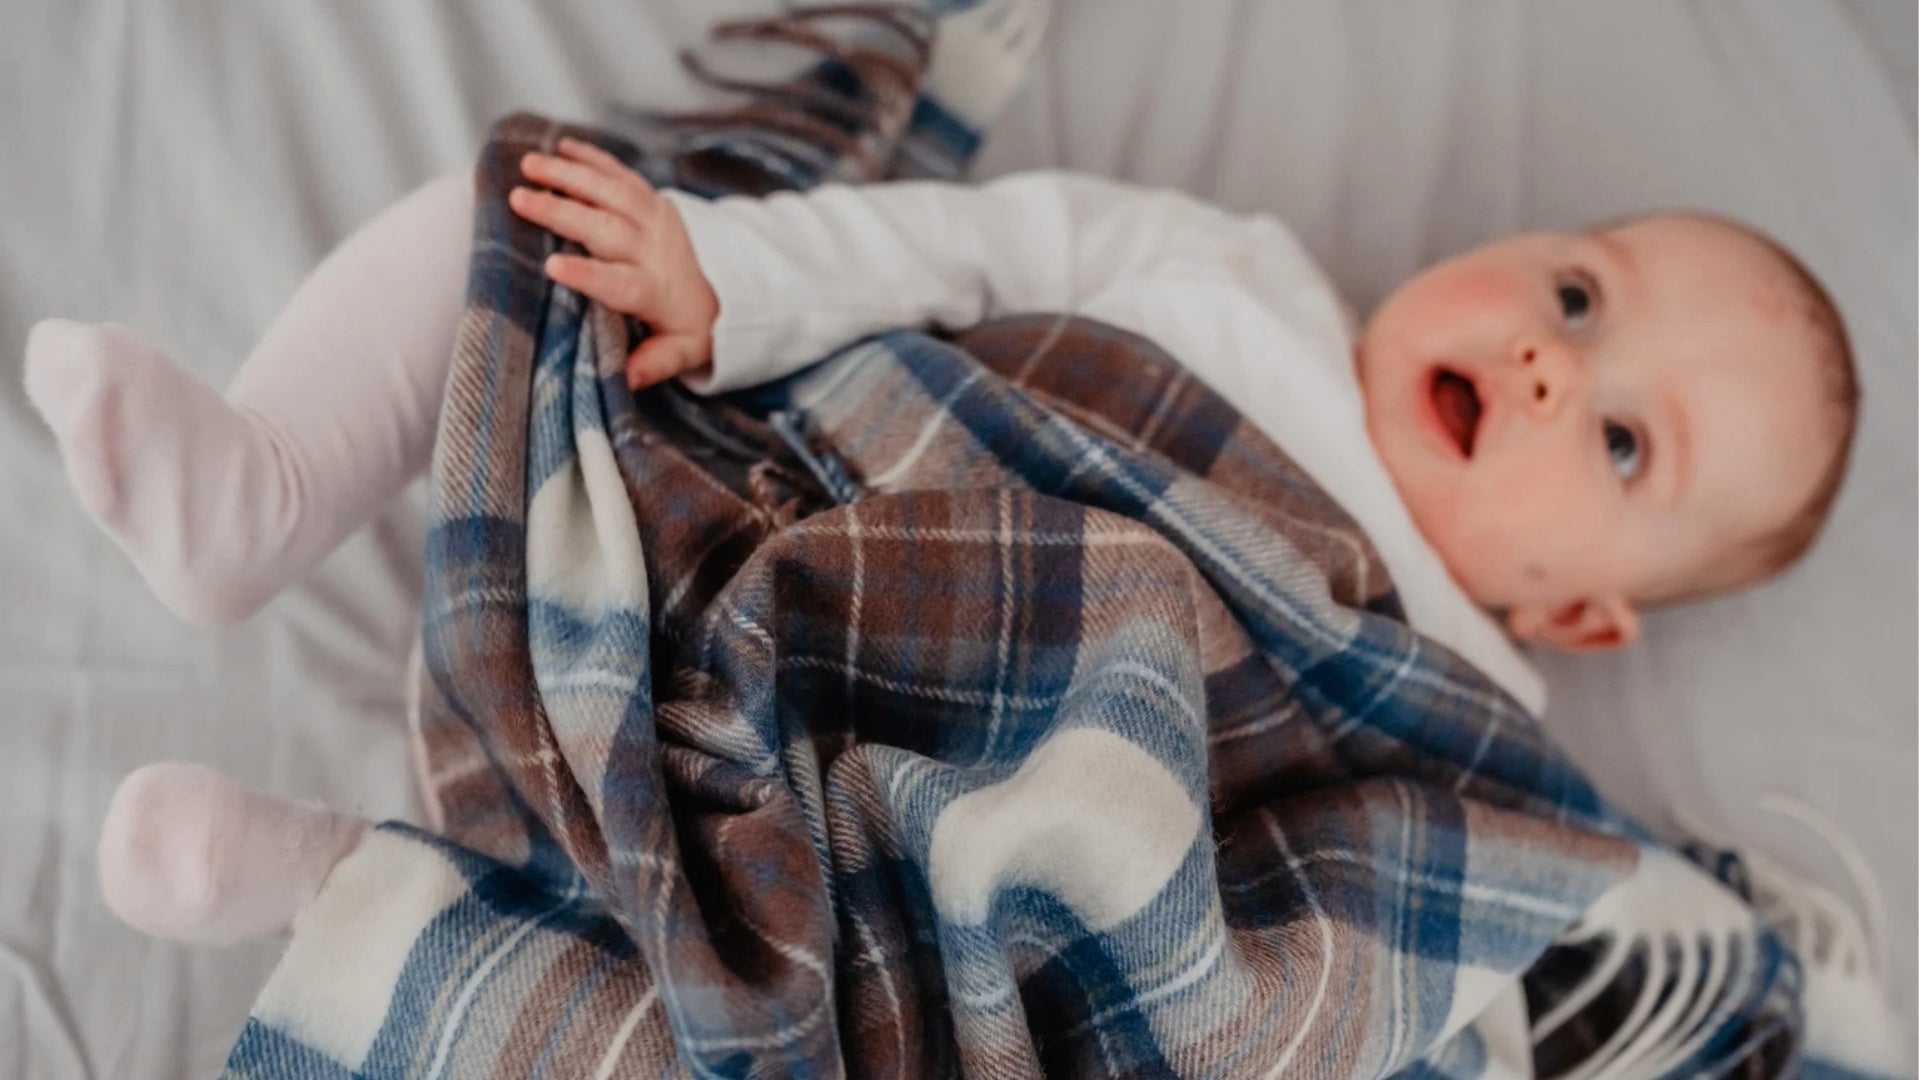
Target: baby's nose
x=1543, y=377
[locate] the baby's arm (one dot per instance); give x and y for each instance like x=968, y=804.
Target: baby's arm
x=798, y=274
x=742, y=290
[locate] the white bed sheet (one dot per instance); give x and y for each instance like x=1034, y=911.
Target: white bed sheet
x=179, y=166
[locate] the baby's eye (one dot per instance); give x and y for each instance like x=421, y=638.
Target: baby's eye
x=1623, y=449
x=1576, y=300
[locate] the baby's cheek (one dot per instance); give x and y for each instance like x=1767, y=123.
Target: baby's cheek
x=1562, y=538
x=1464, y=313
x=1471, y=292
x=1465, y=529
x=1525, y=533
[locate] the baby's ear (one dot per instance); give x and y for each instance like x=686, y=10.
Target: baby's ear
x=1597, y=623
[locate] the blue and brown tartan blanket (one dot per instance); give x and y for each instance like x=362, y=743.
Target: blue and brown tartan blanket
x=992, y=705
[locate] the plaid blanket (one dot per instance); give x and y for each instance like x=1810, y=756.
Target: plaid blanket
x=999, y=705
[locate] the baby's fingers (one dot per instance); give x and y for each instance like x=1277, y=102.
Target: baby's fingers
x=586, y=183
x=605, y=234
x=581, y=150
x=658, y=358
x=617, y=285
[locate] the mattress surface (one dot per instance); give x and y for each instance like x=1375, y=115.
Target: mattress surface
x=179, y=166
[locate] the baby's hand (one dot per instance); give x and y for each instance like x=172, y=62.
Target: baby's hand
x=642, y=262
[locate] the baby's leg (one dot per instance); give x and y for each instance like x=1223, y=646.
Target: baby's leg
x=221, y=502
x=190, y=855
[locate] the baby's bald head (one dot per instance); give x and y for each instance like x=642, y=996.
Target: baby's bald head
x=1803, y=308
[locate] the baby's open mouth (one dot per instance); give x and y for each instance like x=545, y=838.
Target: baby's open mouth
x=1457, y=404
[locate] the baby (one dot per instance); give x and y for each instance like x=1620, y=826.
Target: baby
x=1544, y=436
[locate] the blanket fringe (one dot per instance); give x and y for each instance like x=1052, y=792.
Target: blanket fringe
x=856, y=114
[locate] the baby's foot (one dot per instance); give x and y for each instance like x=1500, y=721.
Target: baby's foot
x=189, y=855
x=70, y=380
x=183, y=482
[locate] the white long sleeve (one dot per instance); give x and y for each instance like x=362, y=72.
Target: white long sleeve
x=799, y=274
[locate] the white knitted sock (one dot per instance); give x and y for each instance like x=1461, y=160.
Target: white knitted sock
x=190, y=855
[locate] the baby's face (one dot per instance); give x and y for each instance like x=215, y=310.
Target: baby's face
x=1577, y=421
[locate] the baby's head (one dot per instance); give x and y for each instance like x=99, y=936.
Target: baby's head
x=1587, y=424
